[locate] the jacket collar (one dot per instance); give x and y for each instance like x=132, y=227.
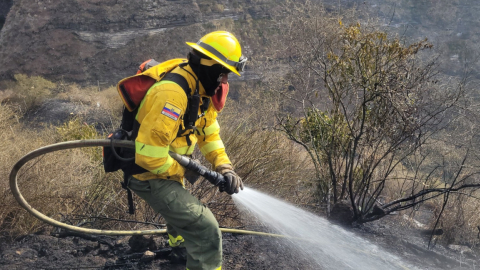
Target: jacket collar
x=191, y=80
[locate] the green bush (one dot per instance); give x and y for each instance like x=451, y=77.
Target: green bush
x=76, y=129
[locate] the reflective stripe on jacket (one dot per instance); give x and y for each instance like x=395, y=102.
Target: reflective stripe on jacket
x=160, y=116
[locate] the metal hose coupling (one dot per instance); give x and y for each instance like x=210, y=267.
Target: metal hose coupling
x=213, y=177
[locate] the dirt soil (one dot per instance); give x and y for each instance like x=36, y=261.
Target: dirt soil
x=62, y=250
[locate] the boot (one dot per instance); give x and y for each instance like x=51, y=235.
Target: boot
x=178, y=255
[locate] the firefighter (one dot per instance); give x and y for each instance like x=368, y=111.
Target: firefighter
x=162, y=127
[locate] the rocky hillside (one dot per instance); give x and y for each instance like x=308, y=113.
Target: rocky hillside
x=452, y=26
x=101, y=41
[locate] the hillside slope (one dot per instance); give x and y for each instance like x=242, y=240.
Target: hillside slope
x=91, y=41
x=99, y=42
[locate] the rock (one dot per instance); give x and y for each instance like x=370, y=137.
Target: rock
x=148, y=256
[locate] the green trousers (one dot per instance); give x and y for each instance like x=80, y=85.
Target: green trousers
x=185, y=216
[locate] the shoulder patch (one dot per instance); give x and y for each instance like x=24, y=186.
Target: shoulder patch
x=171, y=111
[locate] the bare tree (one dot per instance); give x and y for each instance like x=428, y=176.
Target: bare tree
x=367, y=104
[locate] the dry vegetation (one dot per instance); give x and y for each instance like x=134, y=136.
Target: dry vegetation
x=378, y=120
x=71, y=186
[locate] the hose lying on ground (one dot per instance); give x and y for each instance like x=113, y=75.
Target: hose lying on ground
x=79, y=144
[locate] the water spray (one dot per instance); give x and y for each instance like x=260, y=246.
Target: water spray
x=313, y=238
x=326, y=244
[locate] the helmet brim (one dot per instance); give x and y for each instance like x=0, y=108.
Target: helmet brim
x=211, y=55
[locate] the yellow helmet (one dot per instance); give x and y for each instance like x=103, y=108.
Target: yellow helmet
x=222, y=47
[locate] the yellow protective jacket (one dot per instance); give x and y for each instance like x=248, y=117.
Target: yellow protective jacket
x=160, y=116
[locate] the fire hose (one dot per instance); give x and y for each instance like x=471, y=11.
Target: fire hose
x=212, y=176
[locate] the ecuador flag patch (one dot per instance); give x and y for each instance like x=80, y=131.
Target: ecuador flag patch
x=171, y=111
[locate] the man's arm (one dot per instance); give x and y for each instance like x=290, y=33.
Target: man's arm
x=209, y=141
x=160, y=117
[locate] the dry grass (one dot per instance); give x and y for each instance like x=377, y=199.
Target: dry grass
x=27, y=92
x=461, y=221
x=16, y=142
x=71, y=186
x=262, y=156
x=66, y=185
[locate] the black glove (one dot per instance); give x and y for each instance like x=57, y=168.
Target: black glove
x=233, y=182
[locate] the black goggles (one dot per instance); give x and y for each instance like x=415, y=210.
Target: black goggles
x=240, y=65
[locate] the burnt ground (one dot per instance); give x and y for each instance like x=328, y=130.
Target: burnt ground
x=47, y=250
x=399, y=234
x=408, y=239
